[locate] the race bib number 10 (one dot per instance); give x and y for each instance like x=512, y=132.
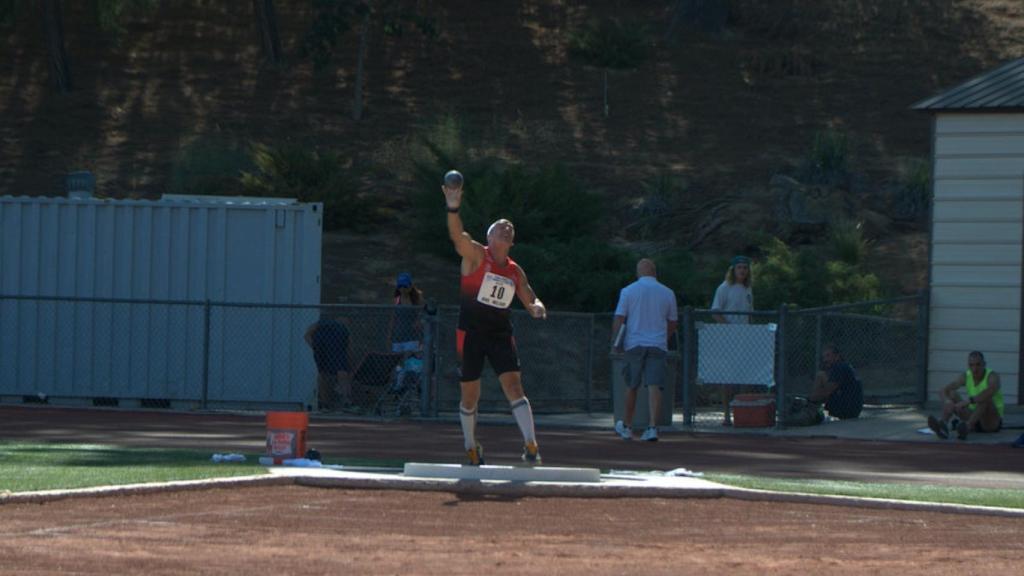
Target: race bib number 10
x=496, y=291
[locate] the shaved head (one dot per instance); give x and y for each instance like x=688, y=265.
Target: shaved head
x=501, y=231
x=645, y=267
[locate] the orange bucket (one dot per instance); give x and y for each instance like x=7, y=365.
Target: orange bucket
x=286, y=435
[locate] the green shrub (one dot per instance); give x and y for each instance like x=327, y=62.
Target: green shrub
x=847, y=283
x=650, y=216
x=582, y=274
x=546, y=203
x=775, y=275
x=210, y=166
x=805, y=278
x=291, y=171
x=111, y=13
x=443, y=143
x=694, y=285
x=610, y=44
x=914, y=192
x=848, y=243
x=587, y=274
x=827, y=161
x=813, y=280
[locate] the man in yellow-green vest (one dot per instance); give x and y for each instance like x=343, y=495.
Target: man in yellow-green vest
x=982, y=408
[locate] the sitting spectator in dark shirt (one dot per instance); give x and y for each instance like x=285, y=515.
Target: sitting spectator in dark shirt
x=837, y=386
x=328, y=338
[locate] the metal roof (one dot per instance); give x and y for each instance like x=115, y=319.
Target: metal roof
x=999, y=89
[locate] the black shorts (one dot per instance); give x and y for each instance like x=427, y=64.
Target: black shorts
x=474, y=347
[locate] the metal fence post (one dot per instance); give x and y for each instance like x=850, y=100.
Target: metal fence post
x=819, y=319
x=922, y=345
x=590, y=366
x=780, y=368
x=686, y=350
x=427, y=379
x=206, y=355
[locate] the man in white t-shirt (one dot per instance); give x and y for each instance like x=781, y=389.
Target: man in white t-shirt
x=647, y=316
x=733, y=295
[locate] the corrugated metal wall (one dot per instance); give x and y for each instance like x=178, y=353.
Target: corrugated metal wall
x=976, y=246
x=184, y=249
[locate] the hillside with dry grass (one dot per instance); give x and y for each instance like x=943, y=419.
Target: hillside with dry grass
x=723, y=114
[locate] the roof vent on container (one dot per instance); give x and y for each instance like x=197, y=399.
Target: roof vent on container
x=80, y=185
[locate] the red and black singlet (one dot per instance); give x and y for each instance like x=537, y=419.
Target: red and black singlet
x=486, y=295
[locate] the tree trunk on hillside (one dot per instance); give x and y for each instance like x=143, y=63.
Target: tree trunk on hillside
x=60, y=70
x=266, y=24
x=357, y=101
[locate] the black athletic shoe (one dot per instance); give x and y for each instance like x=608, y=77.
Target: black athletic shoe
x=939, y=427
x=961, y=430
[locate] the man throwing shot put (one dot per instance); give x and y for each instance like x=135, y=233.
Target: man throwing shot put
x=490, y=279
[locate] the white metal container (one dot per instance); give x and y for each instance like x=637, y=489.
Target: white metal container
x=179, y=248
x=184, y=248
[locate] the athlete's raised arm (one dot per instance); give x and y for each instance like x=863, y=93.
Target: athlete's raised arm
x=470, y=250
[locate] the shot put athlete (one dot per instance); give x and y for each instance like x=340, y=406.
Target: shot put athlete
x=490, y=279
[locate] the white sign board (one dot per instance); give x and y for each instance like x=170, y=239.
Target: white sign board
x=736, y=354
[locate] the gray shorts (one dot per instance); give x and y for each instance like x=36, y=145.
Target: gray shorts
x=645, y=364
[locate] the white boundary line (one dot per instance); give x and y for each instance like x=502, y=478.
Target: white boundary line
x=641, y=487
x=147, y=488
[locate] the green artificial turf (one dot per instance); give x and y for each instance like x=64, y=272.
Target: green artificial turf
x=1004, y=498
x=29, y=467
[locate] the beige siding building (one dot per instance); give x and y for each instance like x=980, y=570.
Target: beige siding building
x=977, y=227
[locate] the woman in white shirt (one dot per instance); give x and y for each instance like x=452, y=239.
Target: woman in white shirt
x=733, y=295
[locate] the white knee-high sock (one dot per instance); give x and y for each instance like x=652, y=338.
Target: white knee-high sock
x=524, y=417
x=468, y=420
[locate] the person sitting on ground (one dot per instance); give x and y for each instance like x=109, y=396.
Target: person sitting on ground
x=981, y=411
x=837, y=386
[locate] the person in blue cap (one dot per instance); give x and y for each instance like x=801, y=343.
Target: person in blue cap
x=406, y=330
x=734, y=294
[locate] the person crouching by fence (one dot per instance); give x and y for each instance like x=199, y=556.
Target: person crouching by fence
x=647, y=309
x=328, y=338
x=837, y=386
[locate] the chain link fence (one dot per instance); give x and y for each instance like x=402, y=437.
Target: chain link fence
x=401, y=360
x=779, y=354
x=725, y=358
x=556, y=356
x=883, y=341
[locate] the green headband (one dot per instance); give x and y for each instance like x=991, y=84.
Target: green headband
x=739, y=260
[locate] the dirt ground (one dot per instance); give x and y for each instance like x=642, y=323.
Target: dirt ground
x=304, y=530
x=297, y=530
x=956, y=464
